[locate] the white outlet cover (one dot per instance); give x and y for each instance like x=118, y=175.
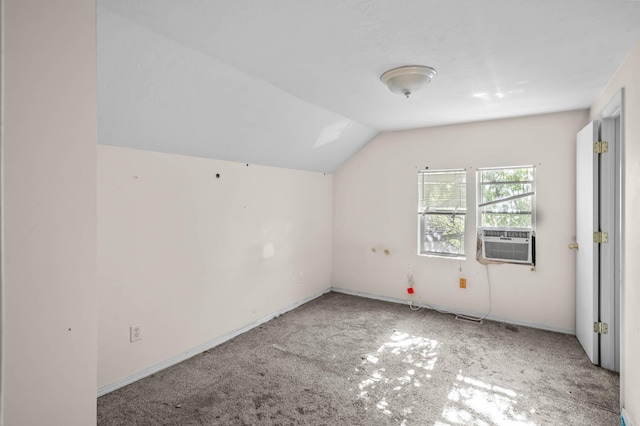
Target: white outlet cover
x=135, y=333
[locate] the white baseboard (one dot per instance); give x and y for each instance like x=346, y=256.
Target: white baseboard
x=201, y=348
x=625, y=419
x=452, y=311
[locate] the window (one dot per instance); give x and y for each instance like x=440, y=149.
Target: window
x=442, y=209
x=506, y=197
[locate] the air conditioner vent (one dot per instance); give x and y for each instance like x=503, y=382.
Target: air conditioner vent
x=506, y=233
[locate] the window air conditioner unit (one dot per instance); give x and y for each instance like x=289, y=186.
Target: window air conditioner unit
x=509, y=245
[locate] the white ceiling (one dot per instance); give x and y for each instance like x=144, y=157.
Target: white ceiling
x=296, y=83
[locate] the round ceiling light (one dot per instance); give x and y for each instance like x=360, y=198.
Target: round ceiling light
x=408, y=79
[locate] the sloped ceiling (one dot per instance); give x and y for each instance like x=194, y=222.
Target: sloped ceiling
x=296, y=84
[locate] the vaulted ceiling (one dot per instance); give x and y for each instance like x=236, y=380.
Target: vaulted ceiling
x=296, y=84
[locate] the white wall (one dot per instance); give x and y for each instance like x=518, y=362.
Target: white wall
x=49, y=213
x=628, y=76
x=375, y=206
x=192, y=257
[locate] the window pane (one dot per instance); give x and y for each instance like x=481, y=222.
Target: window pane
x=506, y=220
x=443, y=191
x=508, y=175
x=442, y=207
x=517, y=206
x=495, y=185
x=498, y=191
x=442, y=234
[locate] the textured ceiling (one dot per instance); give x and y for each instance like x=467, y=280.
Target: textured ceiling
x=296, y=83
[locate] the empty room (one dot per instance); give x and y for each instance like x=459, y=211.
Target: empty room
x=323, y=212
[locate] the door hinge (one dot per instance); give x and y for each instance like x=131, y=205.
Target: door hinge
x=600, y=327
x=600, y=147
x=600, y=237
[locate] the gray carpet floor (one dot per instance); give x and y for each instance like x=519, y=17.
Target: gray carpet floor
x=344, y=360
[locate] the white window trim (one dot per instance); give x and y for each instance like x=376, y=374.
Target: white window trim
x=421, y=213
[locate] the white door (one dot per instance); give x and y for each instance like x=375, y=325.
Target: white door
x=587, y=298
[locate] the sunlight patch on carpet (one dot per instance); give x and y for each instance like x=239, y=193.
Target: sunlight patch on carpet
x=474, y=402
x=402, y=363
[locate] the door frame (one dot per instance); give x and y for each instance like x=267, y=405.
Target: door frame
x=1, y=206
x=608, y=222
x=612, y=130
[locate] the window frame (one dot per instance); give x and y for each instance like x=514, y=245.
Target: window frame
x=479, y=196
x=422, y=211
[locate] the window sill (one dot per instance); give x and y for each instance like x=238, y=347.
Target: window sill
x=443, y=256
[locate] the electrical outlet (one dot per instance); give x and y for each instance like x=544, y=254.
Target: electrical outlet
x=410, y=279
x=300, y=278
x=135, y=332
x=463, y=283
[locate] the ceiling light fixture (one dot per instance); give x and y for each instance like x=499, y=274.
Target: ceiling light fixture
x=408, y=79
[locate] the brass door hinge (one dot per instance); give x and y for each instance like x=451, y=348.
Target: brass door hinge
x=600, y=237
x=600, y=147
x=600, y=327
